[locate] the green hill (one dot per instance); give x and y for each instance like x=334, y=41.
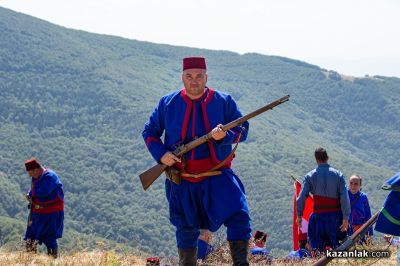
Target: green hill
x=78, y=101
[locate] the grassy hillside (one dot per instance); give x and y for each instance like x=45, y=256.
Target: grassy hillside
x=78, y=101
x=217, y=258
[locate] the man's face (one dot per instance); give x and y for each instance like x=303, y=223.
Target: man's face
x=354, y=185
x=194, y=80
x=35, y=173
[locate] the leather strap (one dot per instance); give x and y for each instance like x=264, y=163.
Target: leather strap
x=208, y=173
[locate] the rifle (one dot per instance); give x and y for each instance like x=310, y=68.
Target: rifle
x=30, y=204
x=149, y=176
x=30, y=214
x=351, y=240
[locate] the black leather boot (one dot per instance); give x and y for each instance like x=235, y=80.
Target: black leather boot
x=31, y=245
x=239, y=250
x=52, y=252
x=187, y=257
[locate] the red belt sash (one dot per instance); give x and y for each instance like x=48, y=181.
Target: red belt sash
x=326, y=204
x=48, y=206
x=198, y=166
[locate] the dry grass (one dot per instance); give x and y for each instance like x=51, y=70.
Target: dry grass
x=222, y=257
x=218, y=258
x=95, y=258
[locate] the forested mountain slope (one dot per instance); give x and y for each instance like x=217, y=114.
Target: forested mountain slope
x=78, y=101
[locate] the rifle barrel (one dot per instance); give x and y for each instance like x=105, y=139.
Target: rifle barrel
x=350, y=242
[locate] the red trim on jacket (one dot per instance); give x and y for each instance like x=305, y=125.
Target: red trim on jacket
x=326, y=204
x=208, y=125
x=150, y=139
x=193, y=124
x=187, y=113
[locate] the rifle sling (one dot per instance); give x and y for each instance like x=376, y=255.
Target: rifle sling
x=208, y=173
x=213, y=170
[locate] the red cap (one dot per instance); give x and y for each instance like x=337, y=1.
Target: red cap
x=153, y=260
x=260, y=235
x=194, y=62
x=32, y=164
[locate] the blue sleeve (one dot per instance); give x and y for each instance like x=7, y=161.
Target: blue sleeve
x=367, y=210
x=344, y=197
x=301, y=200
x=47, y=185
x=153, y=131
x=232, y=135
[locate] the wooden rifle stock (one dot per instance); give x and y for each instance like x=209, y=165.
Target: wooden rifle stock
x=149, y=176
x=351, y=240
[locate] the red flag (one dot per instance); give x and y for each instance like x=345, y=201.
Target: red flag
x=301, y=233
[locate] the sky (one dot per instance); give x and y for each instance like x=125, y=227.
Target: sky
x=352, y=37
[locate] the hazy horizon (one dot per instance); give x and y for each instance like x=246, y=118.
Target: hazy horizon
x=356, y=38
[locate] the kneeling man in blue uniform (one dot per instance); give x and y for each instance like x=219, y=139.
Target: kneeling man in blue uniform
x=46, y=218
x=207, y=197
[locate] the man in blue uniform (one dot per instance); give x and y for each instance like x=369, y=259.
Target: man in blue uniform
x=330, y=218
x=207, y=197
x=46, y=197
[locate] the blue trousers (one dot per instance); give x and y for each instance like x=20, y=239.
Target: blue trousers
x=209, y=204
x=323, y=230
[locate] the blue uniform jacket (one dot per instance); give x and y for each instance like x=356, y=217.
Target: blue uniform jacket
x=327, y=182
x=360, y=210
x=183, y=119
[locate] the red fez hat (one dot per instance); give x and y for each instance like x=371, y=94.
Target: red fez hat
x=194, y=62
x=260, y=235
x=32, y=164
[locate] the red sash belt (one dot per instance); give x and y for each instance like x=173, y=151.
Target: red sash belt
x=326, y=204
x=48, y=206
x=198, y=166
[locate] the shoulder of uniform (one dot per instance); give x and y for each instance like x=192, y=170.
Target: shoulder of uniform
x=310, y=174
x=49, y=172
x=336, y=171
x=221, y=94
x=166, y=99
x=171, y=94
